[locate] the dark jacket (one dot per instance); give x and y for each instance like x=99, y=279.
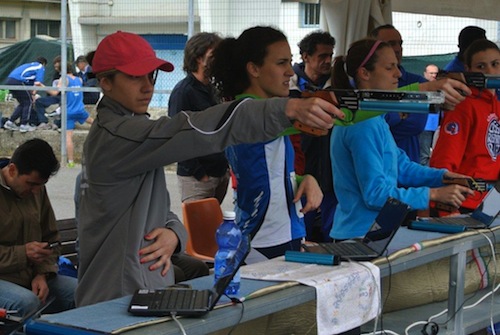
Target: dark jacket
x=192, y=95
x=316, y=149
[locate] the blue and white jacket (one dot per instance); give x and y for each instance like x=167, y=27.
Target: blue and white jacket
x=265, y=192
x=28, y=73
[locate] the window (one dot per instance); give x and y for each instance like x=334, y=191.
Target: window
x=45, y=27
x=309, y=14
x=7, y=29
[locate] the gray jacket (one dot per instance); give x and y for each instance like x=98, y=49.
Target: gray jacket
x=124, y=195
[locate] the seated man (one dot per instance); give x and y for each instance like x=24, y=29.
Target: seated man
x=28, y=265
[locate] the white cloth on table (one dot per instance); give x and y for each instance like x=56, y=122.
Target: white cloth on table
x=347, y=295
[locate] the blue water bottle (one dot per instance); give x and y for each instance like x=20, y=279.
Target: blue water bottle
x=228, y=237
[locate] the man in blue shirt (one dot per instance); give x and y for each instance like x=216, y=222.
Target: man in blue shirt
x=28, y=74
x=467, y=35
x=405, y=128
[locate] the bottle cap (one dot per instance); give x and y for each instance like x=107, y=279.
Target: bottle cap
x=229, y=215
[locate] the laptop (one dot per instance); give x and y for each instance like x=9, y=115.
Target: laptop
x=12, y=325
x=375, y=242
x=186, y=301
x=482, y=217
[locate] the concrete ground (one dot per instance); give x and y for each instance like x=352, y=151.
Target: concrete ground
x=61, y=190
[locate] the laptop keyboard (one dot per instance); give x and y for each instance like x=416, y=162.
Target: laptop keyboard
x=179, y=299
x=347, y=248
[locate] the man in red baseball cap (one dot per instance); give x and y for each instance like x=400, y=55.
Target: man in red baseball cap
x=126, y=229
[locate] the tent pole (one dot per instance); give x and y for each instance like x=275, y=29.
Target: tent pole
x=64, y=62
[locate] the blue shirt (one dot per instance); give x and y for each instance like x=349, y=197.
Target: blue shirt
x=455, y=65
x=432, y=122
x=367, y=168
x=74, y=98
x=406, y=131
x=28, y=73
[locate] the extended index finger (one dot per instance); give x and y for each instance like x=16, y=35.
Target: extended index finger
x=330, y=109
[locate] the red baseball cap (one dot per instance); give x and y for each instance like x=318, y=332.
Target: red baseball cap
x=128, y=53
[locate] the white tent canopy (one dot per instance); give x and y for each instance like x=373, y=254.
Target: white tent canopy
x=350, y=20
x=480, y=9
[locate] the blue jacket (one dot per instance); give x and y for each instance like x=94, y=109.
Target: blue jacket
x=266, y=188
x=367, y=168
x=406, y=131
x=28, y=73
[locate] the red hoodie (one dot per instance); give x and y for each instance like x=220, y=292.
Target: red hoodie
x=469, y=140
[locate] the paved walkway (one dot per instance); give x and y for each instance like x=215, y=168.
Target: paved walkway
x=61, y=190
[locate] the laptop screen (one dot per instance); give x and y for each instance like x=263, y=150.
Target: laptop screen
x=387, y=222
x=489, y=208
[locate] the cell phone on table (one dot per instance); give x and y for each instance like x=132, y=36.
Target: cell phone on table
x=52, y=245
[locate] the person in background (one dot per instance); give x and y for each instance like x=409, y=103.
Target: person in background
x=466, y=36
x=88, y=78
x=127, y=232
x=39, y=117
x=75, y=111
x=204, y=176
x=405, y=127
x=367, y=165
x=431, y=71
x=29, y=74
x=469, y=139
x=28, y=267
x=257, y=65
x=316, y=50
x=432, y=124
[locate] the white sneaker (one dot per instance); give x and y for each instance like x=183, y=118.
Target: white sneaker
x=10, y=125
x=54, y=113
x=26, y=127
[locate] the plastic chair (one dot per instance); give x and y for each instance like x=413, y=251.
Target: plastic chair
x=201, y=219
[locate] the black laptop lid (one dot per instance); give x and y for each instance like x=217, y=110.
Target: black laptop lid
x=489, y=208
x=235, y=263
x=9, y=327
x=386, y=224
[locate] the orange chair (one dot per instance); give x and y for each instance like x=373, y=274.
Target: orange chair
x=201, y=219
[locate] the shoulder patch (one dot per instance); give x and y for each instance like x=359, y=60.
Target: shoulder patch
x=493, y=139
x=451, y=128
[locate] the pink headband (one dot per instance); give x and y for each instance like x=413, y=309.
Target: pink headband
x=370, y=54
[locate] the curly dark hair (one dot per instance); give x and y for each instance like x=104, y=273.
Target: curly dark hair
x=308, y=44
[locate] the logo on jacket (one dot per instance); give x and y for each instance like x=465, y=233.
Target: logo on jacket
x=493, y=138
x=451, y=128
